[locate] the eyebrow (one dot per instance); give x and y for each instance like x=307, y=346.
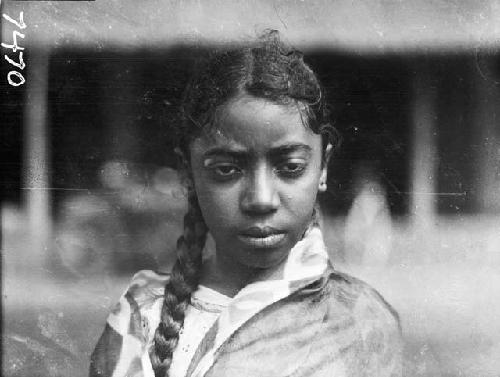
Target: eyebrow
x=225, y=151
x=239, y=153
x=290, y=148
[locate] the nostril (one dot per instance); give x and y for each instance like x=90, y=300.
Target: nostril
x=256, y=203
x=260, y=195
x=260, y=208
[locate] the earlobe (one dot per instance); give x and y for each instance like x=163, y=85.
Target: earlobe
x=327, y=155
x=322, y=186
x=324, y=170
x=322, y=179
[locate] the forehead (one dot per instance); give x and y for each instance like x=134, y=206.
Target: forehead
x=256, y=124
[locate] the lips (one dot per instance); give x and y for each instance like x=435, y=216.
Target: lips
x=262, y=237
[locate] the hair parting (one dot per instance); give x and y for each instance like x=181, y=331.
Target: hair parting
x=266, y=68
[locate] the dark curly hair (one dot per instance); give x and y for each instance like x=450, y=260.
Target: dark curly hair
x=267, y=69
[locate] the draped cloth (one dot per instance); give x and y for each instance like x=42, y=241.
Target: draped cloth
x=309, y=320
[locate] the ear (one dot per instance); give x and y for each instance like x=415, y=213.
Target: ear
x=183, y=167
x=324, y=169
x=183, y=160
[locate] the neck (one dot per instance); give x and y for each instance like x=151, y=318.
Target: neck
x=229, y=277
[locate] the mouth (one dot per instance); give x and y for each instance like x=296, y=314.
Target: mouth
x=262, y=237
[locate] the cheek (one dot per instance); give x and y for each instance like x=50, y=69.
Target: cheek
x=218, y=206
x=300, y=197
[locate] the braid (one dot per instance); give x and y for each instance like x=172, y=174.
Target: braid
x=183, y=281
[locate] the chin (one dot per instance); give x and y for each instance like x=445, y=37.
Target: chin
x=264, y=259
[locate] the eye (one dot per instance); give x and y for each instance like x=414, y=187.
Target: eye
x=225, y=170
x=291, y=168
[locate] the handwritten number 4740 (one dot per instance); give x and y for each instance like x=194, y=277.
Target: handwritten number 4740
x=15, y=47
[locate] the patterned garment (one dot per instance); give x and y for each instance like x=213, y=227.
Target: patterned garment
x=206, y=306
x=308, y=321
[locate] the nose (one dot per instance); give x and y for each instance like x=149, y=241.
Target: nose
x=260, y=196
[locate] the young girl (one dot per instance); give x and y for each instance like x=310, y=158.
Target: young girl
x=255, y=142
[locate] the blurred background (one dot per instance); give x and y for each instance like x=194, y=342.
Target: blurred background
x=90, y=194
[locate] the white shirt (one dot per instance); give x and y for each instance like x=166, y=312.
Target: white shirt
x=206, y=305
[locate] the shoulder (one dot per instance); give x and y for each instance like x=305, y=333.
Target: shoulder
x=129, y=325
x=360, y=298
x=145, y=288
x=147, y=282
x=374, y=324
x=140, y=299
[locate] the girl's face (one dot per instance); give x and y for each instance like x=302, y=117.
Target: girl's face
x=256, y=176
